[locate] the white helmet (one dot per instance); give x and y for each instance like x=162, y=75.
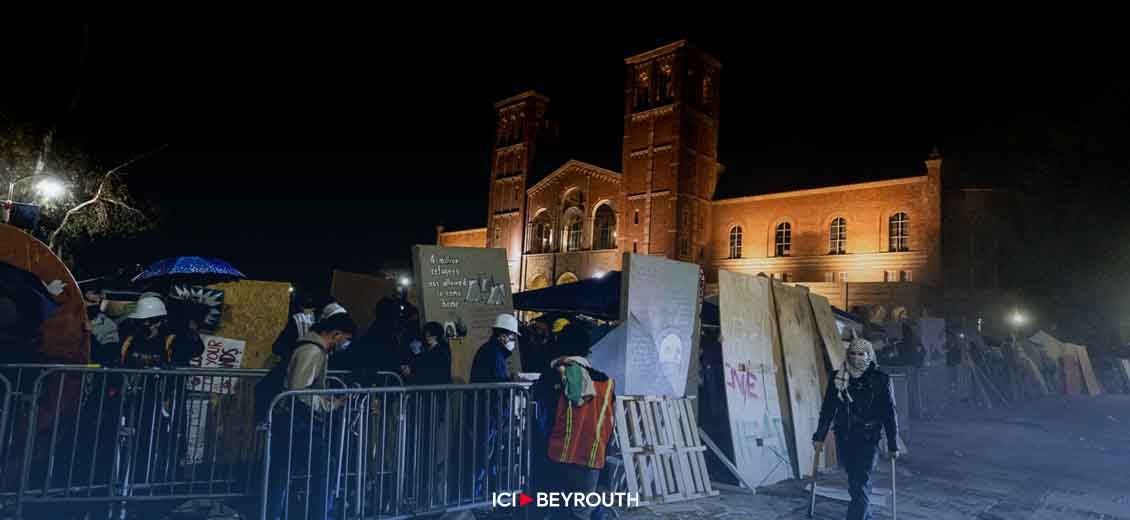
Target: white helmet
x=507, y=322
x=148, y=307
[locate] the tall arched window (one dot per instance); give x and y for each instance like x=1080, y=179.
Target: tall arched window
x=497, y=239
x=899, y=229
x=542, y=234
x=573, y=227
x=784, y=239
x=838, y=237
x=605, y=228
x=736, y=242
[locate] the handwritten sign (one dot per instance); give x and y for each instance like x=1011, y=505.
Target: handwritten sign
x=463, y=289
x=218, y=353
x=661, y=307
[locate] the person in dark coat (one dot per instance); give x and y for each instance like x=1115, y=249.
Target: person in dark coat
x=859, y=404
x=432, y=366
x=380, y=348
x=489, y=365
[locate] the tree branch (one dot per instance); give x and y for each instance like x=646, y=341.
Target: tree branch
x=124, y=205
x=98, y=194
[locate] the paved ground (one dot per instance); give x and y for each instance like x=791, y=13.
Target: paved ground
x=1058, y=459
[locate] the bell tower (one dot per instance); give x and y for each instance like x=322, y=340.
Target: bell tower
x=520, y=120
x=670, y=161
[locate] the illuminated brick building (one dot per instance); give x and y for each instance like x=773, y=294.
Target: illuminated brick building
x=873, y=245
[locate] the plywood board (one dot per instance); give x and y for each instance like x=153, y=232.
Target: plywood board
x=1072, y=374
x=465, y=289
x=359, y=294
x=800, y=342
x=1125, y=365
x=660, y=304
x=761, y=451
x=826, y=322
x=65, y=335
x=255, y=312
x=1090, y=381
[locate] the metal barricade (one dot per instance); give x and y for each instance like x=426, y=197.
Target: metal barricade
x=5, y=407
x=96, y=439
x=13, y=421
x=394, y=452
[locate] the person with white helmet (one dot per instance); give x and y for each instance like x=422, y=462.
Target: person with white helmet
x=489, y=365
x=859, y=404
x=152, y=343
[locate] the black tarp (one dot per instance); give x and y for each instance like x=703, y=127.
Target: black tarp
x=596, y=297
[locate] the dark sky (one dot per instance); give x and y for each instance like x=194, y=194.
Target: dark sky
x=300, y=145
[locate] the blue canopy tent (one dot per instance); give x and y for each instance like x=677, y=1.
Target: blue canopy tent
x=595, y=297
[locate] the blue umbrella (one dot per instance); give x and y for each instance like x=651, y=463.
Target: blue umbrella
x=189, y=266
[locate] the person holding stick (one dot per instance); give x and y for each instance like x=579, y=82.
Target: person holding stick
x=859, y=405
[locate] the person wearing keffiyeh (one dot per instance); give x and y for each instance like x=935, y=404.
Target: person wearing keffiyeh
x=859, y=405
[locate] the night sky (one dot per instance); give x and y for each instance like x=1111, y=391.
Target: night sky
x=301, y=145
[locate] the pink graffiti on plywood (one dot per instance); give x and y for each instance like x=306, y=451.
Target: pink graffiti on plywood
x=741, y=379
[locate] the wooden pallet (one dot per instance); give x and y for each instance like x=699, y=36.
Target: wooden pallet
x=662, y=454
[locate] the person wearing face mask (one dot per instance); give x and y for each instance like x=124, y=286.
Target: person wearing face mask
x=300, y=425
x=858, y=405
x=489, y=365
x=104, y=340
x=152, y=343
x=432, y=365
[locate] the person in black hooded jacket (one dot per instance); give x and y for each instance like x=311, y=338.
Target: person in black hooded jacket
x=860, y=405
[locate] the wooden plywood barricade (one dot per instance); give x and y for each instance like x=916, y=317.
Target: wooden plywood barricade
x=750, y=369
x=826, y=322
x=359, y=294
x=65, y=335
x=800, y=343
x=1072, y=374
x=254, y=312
x=1090, y=382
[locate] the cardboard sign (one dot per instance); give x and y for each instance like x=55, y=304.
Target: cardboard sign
x=464, y=289
x=218, y=353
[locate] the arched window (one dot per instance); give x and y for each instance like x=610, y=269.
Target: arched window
x=736, y=242
x=899, y=229
x=496, y=241
x=605, y=228
x=784, y=239
x=542, y=234
x=566, y=278
x=838, y=240
x=573, y=227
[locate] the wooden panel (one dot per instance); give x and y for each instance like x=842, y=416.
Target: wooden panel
x=1090, y=381
x=800, y=342
x=761, y=451
x=1072, y=375
x=254, y=312
x=359, y=294
x=833, y=345
x=65, y=335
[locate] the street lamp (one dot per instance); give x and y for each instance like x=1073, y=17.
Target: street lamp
x=1017, y=318
x=49, y=186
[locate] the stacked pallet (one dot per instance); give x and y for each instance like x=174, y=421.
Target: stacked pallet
x=663, y=455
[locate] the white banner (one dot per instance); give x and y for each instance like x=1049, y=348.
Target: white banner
x=218, y=353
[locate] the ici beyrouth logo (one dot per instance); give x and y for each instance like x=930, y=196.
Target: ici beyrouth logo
x=557, y=499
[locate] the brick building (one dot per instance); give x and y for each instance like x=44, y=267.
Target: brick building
x=870, y=246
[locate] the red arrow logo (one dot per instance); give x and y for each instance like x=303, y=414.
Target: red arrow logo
x=524, y=499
